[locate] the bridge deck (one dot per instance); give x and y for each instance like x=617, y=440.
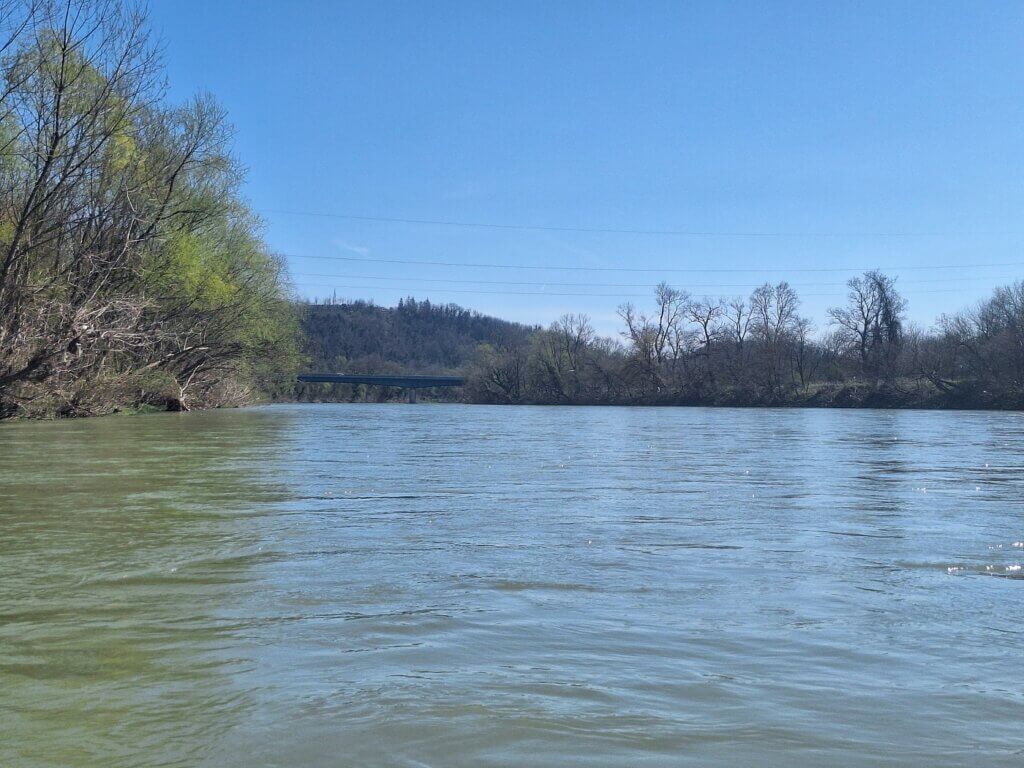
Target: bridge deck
x=406, y=382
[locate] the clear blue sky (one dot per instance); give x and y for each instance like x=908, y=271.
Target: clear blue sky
x=855, y=135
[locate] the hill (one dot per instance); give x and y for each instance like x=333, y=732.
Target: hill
x=413, y=337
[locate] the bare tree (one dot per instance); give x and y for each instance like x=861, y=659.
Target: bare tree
x=706, y=315
x=805, y=354
x=872, y=322
x=987, y=343
x=658, y=341
x=774, y=323
x=735, y=330
x=499, y=373
x=563, y=352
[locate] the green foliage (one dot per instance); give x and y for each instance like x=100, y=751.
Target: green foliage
x=135, y=271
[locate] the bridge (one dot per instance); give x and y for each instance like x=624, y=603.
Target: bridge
x=409, y=383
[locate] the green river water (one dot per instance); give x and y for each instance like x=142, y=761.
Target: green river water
x=443, y=585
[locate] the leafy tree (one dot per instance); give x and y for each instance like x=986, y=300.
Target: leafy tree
x=126, y=254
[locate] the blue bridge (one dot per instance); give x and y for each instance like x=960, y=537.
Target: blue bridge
x=409, y=383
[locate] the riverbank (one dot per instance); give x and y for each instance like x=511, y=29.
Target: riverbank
x=906, y=395
x=903, y=395
x=128, y=396
x=917, y=396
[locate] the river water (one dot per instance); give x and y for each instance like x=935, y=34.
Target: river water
x=442, y=585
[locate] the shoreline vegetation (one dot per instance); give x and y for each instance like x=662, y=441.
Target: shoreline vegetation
x=760, y=351
x=133, y=276
x=132, y=273
x=687, y=351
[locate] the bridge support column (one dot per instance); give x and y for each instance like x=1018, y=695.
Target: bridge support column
x=411, y=394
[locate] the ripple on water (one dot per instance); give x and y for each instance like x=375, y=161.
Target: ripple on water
x=454, y=586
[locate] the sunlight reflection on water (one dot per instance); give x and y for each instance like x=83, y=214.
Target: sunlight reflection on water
x=472, y=586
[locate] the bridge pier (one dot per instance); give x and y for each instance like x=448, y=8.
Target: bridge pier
x=410, y=393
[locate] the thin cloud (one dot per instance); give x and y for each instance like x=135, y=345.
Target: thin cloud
x=361, y=250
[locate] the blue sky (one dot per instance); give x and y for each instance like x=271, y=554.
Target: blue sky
x=791, y=140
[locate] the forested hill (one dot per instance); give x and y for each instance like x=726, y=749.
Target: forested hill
x=414, y=337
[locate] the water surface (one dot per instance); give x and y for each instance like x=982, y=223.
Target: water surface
x=356, y=585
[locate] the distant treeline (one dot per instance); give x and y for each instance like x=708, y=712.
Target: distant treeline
x=757, y=350
x=760, y=350
x=414, y=337
x=131, y=272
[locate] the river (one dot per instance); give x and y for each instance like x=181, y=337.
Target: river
x=444, y=585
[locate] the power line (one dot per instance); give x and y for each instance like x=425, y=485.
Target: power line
x=619, y=231
x=653, y=270
x=543, y=283
x=485, y=292
x=553, y=293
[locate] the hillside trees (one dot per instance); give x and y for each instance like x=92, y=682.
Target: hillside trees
x=413, y=337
